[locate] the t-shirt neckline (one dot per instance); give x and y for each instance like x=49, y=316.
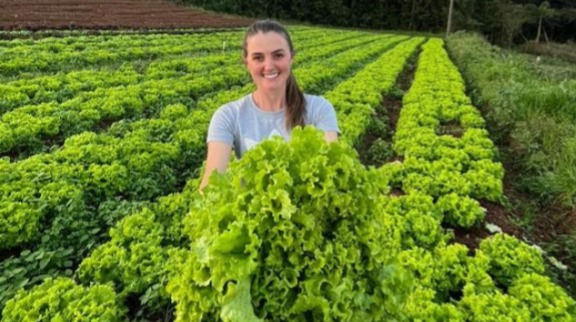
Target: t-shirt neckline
x=266, y=113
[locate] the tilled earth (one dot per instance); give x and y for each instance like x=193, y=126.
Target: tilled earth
x=108, y=14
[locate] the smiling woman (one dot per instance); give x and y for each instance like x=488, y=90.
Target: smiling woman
x=274, y=108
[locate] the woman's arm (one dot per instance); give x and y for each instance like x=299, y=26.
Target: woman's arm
x=322, y=115
x=217, y=159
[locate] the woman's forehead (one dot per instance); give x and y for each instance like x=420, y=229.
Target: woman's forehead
x=266, y=43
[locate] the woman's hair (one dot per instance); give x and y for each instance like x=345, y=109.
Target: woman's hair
x=296, y=105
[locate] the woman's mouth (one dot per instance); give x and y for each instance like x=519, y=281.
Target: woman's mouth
x=272, y=75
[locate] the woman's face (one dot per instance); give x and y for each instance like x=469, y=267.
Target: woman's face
x=268, y=60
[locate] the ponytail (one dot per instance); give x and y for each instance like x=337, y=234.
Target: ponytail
x=296, y=105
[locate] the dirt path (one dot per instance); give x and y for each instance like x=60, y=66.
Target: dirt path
x=108, y=14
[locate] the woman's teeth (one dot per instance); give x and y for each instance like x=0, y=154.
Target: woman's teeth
x=271, y=75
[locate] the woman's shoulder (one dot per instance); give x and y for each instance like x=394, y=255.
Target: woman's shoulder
x=234, y=106
x=316, y=102
x=228, y=113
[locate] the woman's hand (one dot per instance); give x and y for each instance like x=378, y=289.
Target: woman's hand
x=331, y=136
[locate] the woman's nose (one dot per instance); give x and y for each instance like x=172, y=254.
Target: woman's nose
x=268, y=63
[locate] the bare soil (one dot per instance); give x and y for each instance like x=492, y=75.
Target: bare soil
x=496, y=215
x=109, y=14
x=393, y=103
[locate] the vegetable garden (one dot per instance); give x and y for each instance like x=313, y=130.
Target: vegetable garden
x=102, y=140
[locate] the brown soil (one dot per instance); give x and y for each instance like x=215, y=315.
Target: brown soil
x=393, y=103
x=562, y=219
x=109, y=14
x=395, y=192
x=390, y=111
x=496, y=215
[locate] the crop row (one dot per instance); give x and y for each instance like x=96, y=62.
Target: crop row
x=447, y=163
x=65, y=85
x=29, y=127
x=447, y=153
x=45, y=56
x=357, y=98
x=56, y=55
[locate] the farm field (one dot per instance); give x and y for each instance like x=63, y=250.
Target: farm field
x=102, y=139
x=108, y=14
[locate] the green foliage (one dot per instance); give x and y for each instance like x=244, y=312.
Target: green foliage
x=478, y=280
x=378, y=127
x=31, y=268
x=494, y=307
x=443, y=270
x=380, y=152
x=356, y=99
x=139, y=258
x=547, y=301
x=418, y=220
x=451, y=285
x=501, y=20
x=562, y=275
x=530, y=109
x=67, y=241
x=456, y=170
x=531, y=297
x=285, y=234
x=62, y=300
x=288, y=236
x=421, y=306
x=460, y=211
x=510, y=258
x=394, y=173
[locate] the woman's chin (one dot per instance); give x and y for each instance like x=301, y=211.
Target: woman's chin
x=271, y=86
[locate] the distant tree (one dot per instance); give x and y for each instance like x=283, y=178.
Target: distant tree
x=464, y=15
x=541, y=12
x=512, y=17
x=501, y=21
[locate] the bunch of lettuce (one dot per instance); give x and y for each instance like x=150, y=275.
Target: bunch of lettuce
x=292, y=232
x=61, y=300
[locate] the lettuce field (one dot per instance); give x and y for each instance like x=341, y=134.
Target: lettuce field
x=102, y=142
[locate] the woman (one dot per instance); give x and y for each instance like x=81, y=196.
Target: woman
x=274, y=108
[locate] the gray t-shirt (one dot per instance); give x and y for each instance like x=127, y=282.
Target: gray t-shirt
x=242, y=124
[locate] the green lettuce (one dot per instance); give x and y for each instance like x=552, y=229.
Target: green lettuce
x=292, y=232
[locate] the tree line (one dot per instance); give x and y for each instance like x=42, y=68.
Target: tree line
x=501, y=21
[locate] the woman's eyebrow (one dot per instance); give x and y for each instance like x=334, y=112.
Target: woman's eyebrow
x=274, y=52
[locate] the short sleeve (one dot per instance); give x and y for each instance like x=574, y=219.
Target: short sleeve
x=322, y=115
x=221, y=127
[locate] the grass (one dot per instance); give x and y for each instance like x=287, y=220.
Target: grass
x=566, y=51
